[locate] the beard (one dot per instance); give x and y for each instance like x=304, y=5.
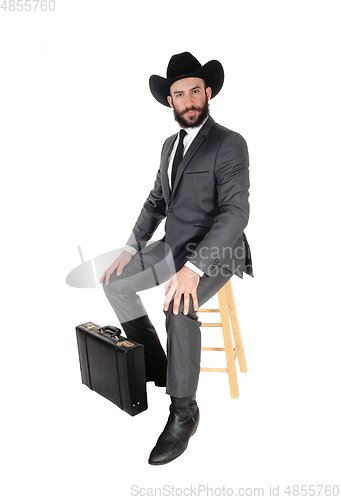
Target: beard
x=192, y=121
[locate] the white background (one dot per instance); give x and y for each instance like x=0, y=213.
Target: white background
x=81, y=137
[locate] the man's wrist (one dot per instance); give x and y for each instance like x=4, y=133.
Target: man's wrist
x=194, y=268
x=130, y=249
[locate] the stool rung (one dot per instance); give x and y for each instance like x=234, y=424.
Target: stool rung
x=235, y=350
x=213, y=349
x=233, y=345
x=221, y=370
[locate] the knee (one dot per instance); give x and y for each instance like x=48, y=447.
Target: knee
x=118, y=287
x=112, y=287
x=191, y=315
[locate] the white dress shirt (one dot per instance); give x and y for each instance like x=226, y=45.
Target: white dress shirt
x=188, y=139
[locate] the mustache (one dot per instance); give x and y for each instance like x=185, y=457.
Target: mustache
x=189, y=109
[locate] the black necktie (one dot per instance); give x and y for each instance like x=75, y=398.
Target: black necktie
x=178, y=155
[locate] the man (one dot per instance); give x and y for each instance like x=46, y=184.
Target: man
x=202, y=188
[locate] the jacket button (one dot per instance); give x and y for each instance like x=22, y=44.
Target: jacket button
x=170, y=210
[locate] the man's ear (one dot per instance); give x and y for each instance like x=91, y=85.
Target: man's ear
x=170, y=100
x=208, y=92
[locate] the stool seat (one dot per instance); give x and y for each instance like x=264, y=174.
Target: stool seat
x=233, y=344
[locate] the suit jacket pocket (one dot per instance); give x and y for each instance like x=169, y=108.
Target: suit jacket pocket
x=191, y=175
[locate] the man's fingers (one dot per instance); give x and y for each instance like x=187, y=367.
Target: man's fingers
x=172, y=283
x=167, y=300
x=184, y=282
x=176, y=302
x=108, y=277
x=186, y=303
x=169, y=297
x=168, y=285
x=118, y=264
x=120, y=269
x=166, y=303
x=124, y=260
x=105, y=274
x=195, y=300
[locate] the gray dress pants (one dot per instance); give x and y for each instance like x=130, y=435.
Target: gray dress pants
x=148, y=268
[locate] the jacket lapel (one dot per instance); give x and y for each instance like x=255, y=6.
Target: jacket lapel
x=164, y=169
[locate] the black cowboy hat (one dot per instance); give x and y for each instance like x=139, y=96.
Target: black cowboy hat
x=185, y=65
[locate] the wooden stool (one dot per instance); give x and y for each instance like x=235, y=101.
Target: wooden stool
x=228, y=314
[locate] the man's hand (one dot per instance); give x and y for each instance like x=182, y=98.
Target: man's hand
x=121, y=261
x=183, y=282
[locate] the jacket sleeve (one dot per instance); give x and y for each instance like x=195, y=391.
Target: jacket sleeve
x=152, y=213
x=232, y=187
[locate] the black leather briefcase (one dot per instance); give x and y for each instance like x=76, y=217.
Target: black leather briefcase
x=113, y=366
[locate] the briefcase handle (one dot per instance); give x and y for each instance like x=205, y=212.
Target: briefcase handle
x=112, y=329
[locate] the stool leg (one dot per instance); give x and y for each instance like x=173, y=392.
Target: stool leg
x=231, y=367
x=235, y=327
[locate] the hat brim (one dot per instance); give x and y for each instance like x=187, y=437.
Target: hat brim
x=212, y=72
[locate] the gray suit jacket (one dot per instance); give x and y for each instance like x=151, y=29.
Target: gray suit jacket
x=208, y=208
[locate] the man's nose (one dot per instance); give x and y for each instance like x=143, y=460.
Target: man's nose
x=189, y=100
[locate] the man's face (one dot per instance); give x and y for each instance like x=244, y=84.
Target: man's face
x=189, y=100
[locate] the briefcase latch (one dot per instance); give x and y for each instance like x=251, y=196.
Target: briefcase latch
x=125, y=343
x=90, y=326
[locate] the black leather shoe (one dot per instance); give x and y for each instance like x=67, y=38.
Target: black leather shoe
x=181, y=425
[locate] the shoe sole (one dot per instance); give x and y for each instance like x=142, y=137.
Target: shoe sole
x=168, y=461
